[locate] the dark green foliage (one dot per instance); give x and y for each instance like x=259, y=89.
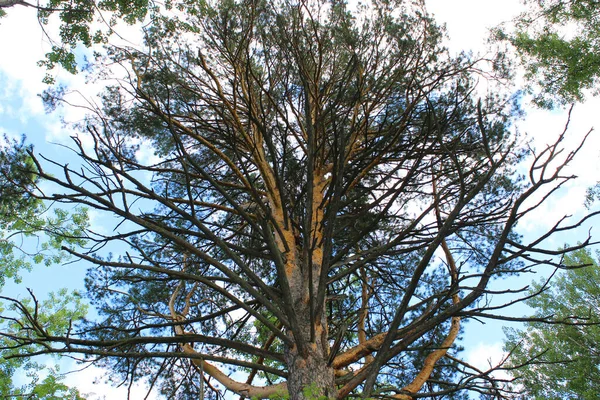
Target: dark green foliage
x=16, y=163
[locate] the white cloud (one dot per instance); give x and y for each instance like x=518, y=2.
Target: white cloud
x=20, y=31
x=485, y=356
x=543, y=128
x=468, y=21
x=91, y=381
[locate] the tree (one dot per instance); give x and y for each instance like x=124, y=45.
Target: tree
x=559, y=45
x=329, y=203
x=21, y=217
x=560, y=360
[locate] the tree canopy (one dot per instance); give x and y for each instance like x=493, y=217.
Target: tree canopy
x=559, y=45
x=21, y=218
x=560, y=361
x=328, y=201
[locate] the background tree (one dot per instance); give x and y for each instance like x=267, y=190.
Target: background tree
x=560, y=361
x=21, y=218
x=329, y=203
x=559, y=45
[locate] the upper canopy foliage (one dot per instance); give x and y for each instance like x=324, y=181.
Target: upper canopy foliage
x=81, y=22
x=327, y=201
x=559, y=45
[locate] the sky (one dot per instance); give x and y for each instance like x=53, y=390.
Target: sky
x=22, y=44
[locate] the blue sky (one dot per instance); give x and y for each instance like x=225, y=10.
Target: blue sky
x=21, y=112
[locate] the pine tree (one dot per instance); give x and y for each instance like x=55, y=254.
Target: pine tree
x=329, y=201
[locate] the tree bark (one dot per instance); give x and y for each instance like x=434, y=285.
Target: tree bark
x=309, y=376
x=309, y=373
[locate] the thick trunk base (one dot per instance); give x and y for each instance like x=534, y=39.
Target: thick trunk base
x=310, y=378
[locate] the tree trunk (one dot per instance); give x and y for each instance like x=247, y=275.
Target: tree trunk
x=309, y=377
